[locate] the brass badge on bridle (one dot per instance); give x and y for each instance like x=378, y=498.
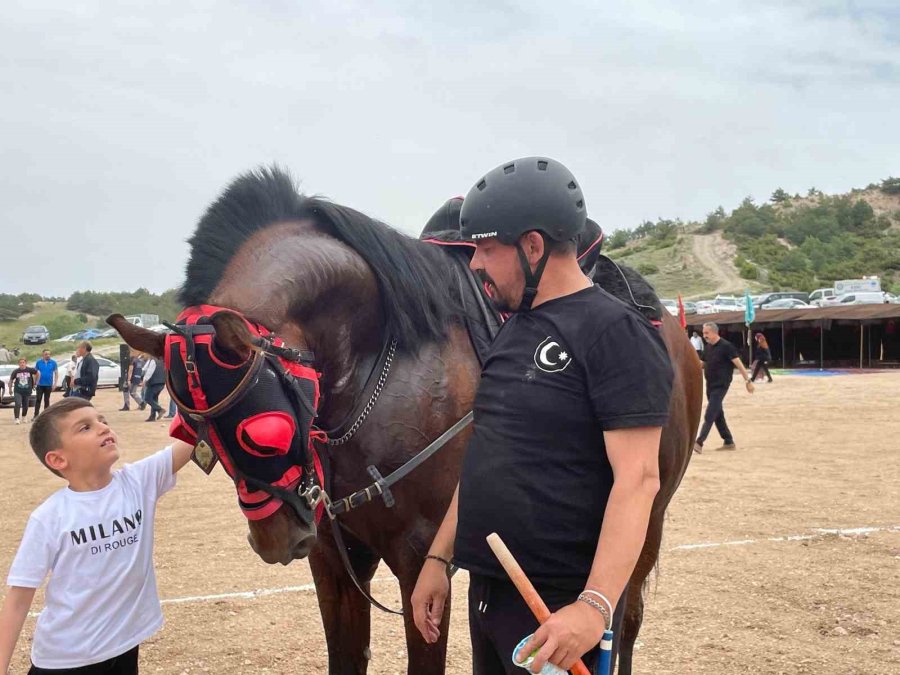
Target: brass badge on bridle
x=204, y=457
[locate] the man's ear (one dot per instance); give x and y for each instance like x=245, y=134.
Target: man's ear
x=56, y=461
x=533, y=244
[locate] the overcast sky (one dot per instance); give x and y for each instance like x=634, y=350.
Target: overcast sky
x=120, y=121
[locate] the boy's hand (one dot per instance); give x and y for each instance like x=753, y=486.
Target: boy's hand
x=181, y=453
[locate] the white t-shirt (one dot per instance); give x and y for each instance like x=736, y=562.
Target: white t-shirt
x=697, y=342
x=101, y=599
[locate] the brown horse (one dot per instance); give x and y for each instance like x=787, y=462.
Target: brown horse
x=331, y=280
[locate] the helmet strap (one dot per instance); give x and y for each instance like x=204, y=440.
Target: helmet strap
x=532, y=279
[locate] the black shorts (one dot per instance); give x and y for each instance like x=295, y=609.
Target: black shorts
x=499, y=619
x=123, y=664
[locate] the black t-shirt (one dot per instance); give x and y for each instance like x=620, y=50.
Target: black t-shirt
x=24, y=378
x=718, y=366
x=536, y=469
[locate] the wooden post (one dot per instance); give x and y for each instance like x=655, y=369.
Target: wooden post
x=821, y=345
x=783, y=348
x=862, y=329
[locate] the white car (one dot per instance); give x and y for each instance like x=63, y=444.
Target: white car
x=860, y=298
x=821, y=297
x=787, y=303
x=671, y=306
x=705, y=306
x=108, y=373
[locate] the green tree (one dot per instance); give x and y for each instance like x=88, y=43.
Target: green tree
x=779, y=196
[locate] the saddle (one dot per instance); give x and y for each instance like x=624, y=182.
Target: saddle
x=483, y=321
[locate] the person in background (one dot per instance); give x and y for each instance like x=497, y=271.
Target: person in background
x=720, y=358
x=763, y=358
x=4, y=354
x=87, y=373
x=48, y=369
x=133, y=377
x=21, y=383
x=697, y=344
x=69, y=376
x=154, y=379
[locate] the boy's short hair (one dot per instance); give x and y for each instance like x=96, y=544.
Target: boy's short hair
x=44, y=435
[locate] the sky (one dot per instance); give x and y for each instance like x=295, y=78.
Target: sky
x=120, y=122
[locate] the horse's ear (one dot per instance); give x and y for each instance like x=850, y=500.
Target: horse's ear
x=232, y=335
x=138, y=338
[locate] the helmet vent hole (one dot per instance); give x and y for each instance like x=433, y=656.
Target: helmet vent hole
x=509, y=168
x=542, y=165
x=481, y=184
x=572, y=185
x=579, y=204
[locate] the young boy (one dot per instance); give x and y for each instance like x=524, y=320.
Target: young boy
x=96, y=535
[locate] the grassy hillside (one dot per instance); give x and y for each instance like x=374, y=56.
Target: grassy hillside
x=793, y=242
x=60, y=321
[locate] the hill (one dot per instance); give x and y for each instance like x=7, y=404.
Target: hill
x=792, y=242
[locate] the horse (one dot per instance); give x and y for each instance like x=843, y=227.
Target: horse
x=349, y=289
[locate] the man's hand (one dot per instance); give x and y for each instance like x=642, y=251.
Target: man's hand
x=750, y=387
x=428, y=599
x=565, y=636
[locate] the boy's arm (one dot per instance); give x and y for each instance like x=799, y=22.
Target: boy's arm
x=181, y=453
x=12, y=617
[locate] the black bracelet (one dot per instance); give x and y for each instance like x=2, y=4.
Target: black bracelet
x=438, y=558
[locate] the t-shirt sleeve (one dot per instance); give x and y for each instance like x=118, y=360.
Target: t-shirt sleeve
x=35, y=556
x=733, y=352
x=155, y=472
x=629, y=376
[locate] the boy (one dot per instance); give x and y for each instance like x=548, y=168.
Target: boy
x=21, y=382
x=97, y=537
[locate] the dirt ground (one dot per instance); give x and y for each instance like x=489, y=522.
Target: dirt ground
x=775, y=589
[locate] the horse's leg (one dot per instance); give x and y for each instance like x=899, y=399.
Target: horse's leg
x=345, y=612
x=634, y=597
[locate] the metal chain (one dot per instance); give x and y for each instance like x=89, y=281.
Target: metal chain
x=382, y=378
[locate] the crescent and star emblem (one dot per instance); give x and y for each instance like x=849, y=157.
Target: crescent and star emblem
x=551, y=357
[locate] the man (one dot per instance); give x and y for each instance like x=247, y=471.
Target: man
x=21, y=383
x=4, y=354
x=720, y=358
x=86, y=373
x=133, y=377
x=563, y=460
x=697, y=344
x=69, y=376
x=48, y=369
x=154, y=381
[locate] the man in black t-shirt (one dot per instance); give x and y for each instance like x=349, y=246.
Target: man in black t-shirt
x=563, y=462
x=720, y=358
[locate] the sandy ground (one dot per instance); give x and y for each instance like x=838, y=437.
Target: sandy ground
x=773, y=592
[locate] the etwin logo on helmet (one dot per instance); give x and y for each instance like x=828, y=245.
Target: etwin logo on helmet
x=484, y=235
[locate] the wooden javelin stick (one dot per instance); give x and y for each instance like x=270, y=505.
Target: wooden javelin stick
x=526, y=589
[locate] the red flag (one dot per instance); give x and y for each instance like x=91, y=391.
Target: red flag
x=682, y=319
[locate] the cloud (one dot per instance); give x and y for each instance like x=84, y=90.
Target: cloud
x=121, y=125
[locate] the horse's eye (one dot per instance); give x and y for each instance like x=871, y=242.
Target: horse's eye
x=267, y=434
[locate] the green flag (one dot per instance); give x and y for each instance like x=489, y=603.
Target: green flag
x=749, y=309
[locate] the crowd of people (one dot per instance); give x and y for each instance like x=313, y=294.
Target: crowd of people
x=143, y=381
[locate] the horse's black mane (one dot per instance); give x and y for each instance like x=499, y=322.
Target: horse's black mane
x=418, y=286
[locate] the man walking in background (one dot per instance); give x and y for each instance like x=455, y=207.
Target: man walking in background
x=48, y=369
x=133, y=378
x=154, y=380
x=720, y=358
x=88, y=370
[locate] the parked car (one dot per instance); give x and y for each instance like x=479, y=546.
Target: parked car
x=861, y=298
x=6, y=370
x=765, y=298
x=705, y=306
x=108, y=374
x=88, y=334
x=821, y=296
x=728, y=303
x=670, y=305
x=787, y=303
x=690, y=308
x=35, y=335
x=109, y=333
x=67, y=338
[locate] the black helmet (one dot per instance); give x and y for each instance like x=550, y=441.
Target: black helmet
x=533, y=193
